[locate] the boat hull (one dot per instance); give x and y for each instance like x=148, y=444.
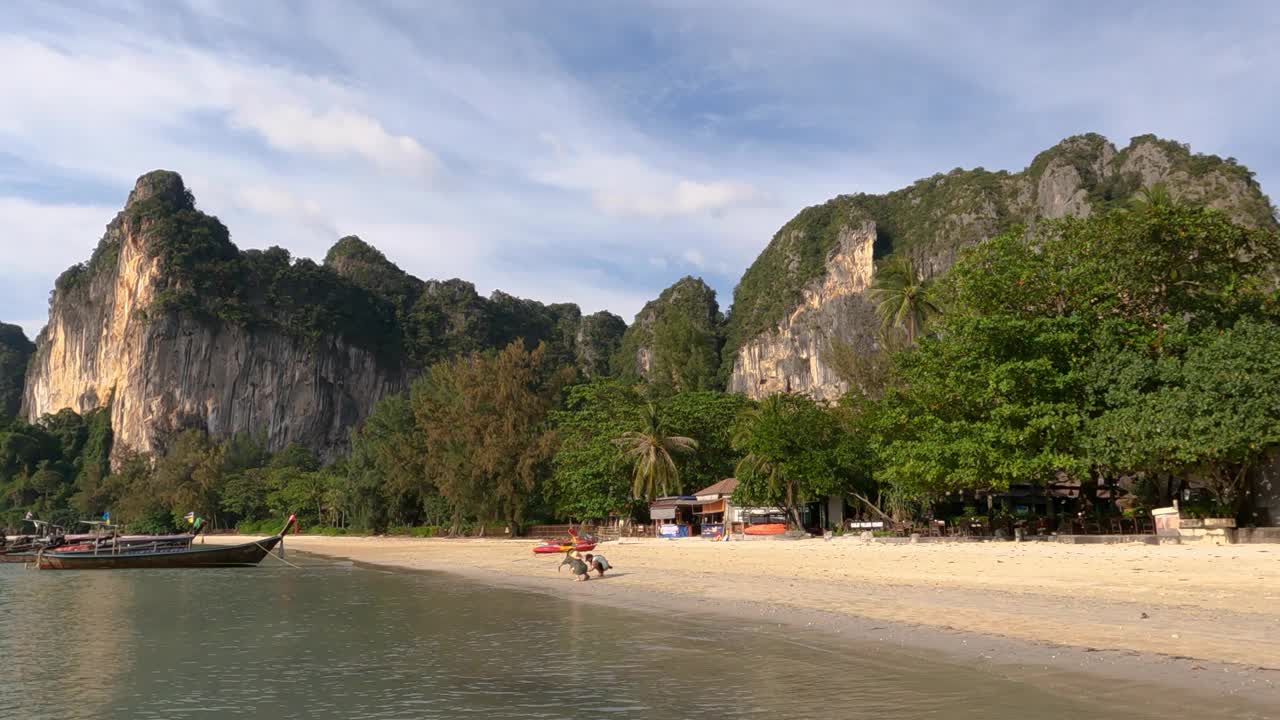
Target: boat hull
x=20, y=556
x=243, y=555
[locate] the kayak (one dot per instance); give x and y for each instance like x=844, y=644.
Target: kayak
x=765, y=529
x=547, y=548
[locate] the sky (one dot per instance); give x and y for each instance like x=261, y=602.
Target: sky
x=588, y=152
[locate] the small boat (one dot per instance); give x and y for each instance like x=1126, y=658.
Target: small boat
x=16, y=549
x=765, y=529
x=162, y=556
x=18, y=555
x=558, y=546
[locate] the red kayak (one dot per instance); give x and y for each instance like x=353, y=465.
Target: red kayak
x=558, y=547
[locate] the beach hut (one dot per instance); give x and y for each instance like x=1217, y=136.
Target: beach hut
x=716, y=511
x=674, y=516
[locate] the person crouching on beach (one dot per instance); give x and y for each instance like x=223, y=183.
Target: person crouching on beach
x=576, y=566
x=597, y=563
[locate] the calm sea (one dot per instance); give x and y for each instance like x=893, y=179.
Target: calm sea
x=343, y=641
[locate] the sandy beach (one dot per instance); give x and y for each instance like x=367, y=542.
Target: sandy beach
x=1193, y=609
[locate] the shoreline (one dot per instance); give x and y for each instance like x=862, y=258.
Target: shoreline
x=1223, y=646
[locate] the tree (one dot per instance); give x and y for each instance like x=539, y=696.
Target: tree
x=593, y=478
x=706, y=416
x=590, y=478
x=1155, y=196
x=189, y=476
x=902, y=298
x=685, y=354
x=1212, y=410
x=387, y=479
x=485, y=424
x=794, y=450
x=1042, y=335
x=651, y=452
x=868, y=372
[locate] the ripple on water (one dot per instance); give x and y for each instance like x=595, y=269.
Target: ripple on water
x=333, y=640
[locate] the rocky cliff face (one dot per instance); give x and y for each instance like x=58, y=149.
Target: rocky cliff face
x=174, y=327
x=598, y=337
x=792, y=357
x=806, y=289
x=109, y=341
x=15, y=350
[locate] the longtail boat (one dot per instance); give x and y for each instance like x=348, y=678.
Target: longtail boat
x=179, y=556
x=23, y=548
x=18, y=553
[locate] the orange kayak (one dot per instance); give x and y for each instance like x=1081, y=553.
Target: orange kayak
x=765, y=529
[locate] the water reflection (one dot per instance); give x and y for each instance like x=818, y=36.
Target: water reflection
x=334, y=640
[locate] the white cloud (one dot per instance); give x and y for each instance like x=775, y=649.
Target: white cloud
x=686, y=197
x=695, y=258
x=521, y=150
x=624, y=184
x=339, y=132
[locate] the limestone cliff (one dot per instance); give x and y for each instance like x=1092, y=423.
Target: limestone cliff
x=806, y=288
x=598, y=337
x=792, y=356
x=675, y=339
x=175, y=327
x=15, y=351
x=112, y=337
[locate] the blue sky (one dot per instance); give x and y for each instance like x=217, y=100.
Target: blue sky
x=569, y=151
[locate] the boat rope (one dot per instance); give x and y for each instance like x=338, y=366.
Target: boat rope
x=271, y=554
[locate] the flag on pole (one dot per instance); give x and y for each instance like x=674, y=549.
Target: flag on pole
x=106, y=517
x=190, y=518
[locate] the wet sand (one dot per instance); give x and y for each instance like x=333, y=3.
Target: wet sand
x=1201, y=618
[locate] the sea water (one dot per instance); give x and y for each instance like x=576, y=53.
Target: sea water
x=333, y=639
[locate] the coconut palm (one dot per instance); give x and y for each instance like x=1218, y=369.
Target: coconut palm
x=1156, y=196
x=901, y=297
x=651, y=451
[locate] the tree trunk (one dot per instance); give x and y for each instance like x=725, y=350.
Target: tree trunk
x=873, y=507
x=792, y=509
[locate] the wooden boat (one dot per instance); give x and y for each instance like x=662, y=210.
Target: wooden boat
x=109, y=543
x=244, y=554
x=18, y=555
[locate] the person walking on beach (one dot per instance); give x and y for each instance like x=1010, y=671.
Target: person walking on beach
x=598, y=563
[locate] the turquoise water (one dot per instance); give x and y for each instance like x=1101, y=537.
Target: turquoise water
x=336, y=640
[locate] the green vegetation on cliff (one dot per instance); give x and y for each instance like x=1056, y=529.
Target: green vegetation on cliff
x=442, y=319
x=15, y=351
x=934, y=218
x=357, y=294
x=675, y=340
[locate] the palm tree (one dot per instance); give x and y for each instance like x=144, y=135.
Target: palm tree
x=901, y=297
x=650, y=451
x=1156, y=196
x=756, y=466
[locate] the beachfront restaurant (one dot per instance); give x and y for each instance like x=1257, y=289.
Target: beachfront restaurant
x=675, y=516
x=710, y=513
